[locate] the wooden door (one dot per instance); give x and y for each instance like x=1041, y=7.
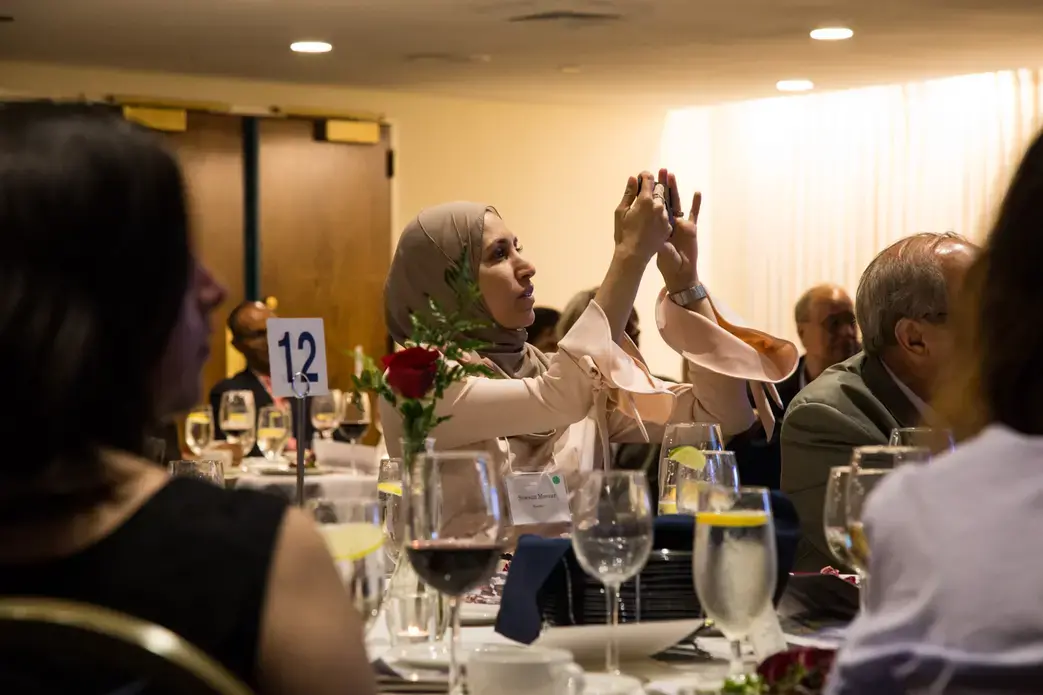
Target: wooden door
x=325, y=236
x=211, y=154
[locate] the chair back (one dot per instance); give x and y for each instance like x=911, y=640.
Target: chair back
x=51, y=645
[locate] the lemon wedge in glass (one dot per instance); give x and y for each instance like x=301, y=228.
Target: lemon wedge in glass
x=689, y=457
x=390, y=488
x=733, y=519
x=352, y=541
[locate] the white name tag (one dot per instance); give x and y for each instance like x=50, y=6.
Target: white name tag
x=538, y=498
x=766, y=636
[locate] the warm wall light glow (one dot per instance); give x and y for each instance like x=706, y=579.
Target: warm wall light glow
x=311, y=47
x=831, y=33
x=794, y=85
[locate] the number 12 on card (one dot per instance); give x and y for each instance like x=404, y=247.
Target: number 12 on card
x=297, y=345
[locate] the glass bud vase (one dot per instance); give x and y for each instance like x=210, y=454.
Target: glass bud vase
x=415, y=612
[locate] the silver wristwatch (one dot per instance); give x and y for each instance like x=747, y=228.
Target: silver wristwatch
x=690, y=296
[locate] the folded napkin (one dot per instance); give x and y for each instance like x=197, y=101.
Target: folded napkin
x=536, y=559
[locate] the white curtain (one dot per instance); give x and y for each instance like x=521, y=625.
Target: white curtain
x=803, y=190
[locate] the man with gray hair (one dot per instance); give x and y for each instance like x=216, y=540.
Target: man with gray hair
x=902, y=309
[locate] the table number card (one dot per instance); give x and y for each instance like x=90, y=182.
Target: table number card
x=297, y=345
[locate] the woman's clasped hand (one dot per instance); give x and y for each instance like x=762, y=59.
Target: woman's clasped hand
x=643, y=224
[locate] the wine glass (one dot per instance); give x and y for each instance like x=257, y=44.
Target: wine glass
x=199, y=428
x=455, y=528
x=273, y=431
x=708, y=469
x=612, y=537
x=681, y=444
x=239, y=419
x=860, y=485
x=834, y=515
x=326, y=412
x=734, y=562
x=937, y=441
x=355, y=539
x=356, y=416
x=888, y=456
x=210, y=471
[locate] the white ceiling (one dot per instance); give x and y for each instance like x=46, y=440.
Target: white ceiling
x=673, y=51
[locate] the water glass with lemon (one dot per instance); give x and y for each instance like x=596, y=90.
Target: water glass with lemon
x=704, y=472
x=389, y=492
x=354, y=536
x=684, y=447
x=734, y=561
x=199, y=429
x=238, y=417
x=273, y=431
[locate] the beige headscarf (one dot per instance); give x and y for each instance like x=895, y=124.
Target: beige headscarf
x=430, y=244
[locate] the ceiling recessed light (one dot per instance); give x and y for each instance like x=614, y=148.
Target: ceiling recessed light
x=794, y=85
x=311, y=47
x=831, y=33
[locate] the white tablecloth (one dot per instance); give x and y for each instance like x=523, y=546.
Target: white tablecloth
x=327, y=486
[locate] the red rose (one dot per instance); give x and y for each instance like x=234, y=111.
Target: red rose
x=411, y=373
x=799, y=667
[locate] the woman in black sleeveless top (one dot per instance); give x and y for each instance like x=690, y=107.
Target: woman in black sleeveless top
x=104, y=329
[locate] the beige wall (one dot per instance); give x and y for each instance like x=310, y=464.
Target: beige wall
x=555, y=173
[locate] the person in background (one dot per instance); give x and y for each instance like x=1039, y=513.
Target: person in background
x=97, y=247
x=248, y=323
x=825, y=318
x=542, y=335
x=902, y=306
x=953, y=601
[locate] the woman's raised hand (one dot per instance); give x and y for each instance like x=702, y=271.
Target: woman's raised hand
x=677, y=259
x=642, y=222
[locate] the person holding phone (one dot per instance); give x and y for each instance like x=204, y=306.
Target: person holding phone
x=544, y=413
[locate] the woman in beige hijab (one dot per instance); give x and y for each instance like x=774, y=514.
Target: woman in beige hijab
x=558, y=413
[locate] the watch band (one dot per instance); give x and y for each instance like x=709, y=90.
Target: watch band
x=689, y=296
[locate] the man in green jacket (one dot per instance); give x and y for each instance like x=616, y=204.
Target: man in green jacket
x=902, y=307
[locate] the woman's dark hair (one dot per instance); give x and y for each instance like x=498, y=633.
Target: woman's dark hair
x=999, y=337
x=94, y=268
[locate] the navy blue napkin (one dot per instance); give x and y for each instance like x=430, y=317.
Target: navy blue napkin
x=535, y=560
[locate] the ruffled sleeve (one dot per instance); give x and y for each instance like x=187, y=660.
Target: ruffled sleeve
x=722, y=358
x=635, y=405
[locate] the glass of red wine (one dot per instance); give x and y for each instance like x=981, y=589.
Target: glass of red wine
x=456, y=529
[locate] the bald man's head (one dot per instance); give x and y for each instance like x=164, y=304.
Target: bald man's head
x=248, y=323
x=825, y=318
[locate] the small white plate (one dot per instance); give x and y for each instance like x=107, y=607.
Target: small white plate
x=478, y=613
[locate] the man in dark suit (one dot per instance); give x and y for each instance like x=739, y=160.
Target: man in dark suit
x=902, y=308
x=248, y=324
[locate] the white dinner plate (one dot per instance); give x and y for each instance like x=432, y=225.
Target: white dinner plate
x=636, y=640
